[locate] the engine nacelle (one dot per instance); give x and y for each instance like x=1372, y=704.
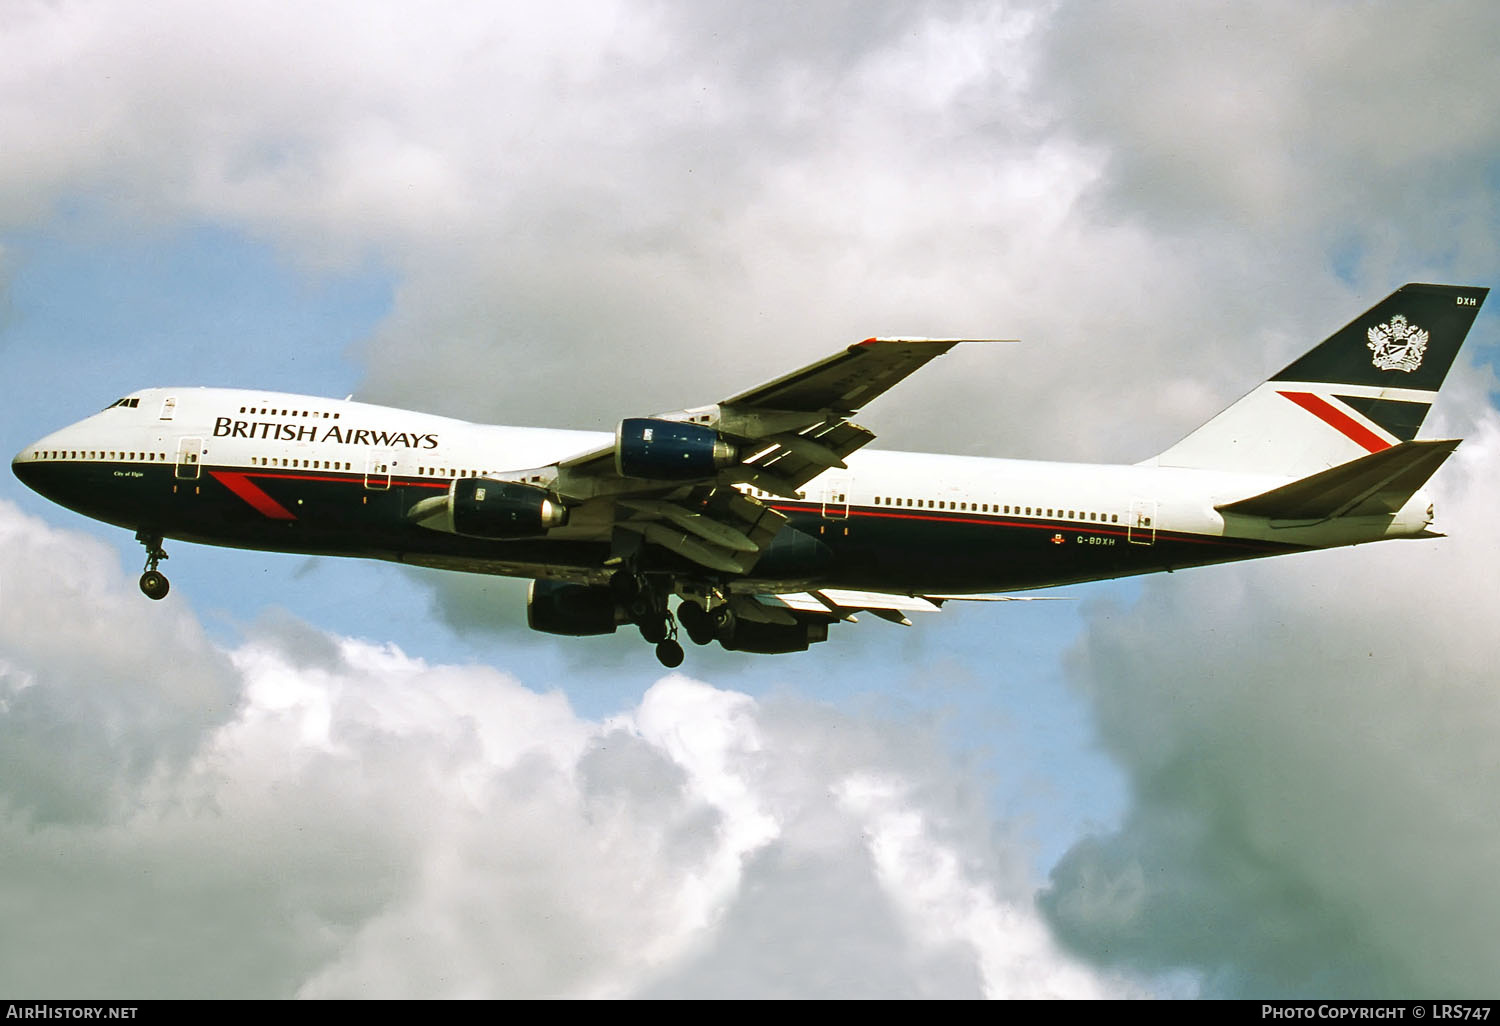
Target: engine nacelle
x=668, y=450
x=483, y=508
x=772, y=638
x=576, y=610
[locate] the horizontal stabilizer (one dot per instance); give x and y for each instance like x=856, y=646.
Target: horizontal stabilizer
x=1380, y=483
x=882, y=604
x=840, y=602
x=999, y=598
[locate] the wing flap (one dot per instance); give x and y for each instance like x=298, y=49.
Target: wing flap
x=705, y=527
x=789, y=466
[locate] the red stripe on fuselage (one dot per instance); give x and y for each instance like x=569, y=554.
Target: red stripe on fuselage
x=241, y=485
x=1115, y=530
x=1338, y=420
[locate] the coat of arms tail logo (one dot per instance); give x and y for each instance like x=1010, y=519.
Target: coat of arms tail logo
x=1397, y=345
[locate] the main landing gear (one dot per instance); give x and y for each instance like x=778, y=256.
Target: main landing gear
x=154, y=585
x=703, y=626
x=647, y=608
x=644, y=599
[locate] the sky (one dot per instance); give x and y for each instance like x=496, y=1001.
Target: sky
x=304, y=777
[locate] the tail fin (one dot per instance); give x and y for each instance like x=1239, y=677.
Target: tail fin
x=1364, y=389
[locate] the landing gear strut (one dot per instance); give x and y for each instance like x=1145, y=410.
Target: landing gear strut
x=154, y=585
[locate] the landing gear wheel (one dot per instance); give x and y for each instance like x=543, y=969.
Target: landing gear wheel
x=154, y=585
x=698, y=624
x=656, y=629
x=669, y=653
x=723, y=622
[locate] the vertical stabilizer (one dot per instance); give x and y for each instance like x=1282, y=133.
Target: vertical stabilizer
x=1364, y=389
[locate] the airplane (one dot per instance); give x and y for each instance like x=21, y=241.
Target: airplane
x=755, y=514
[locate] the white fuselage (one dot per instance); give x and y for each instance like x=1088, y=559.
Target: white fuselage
x=237, y=430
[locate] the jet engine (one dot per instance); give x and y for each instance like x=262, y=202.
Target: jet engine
x=480, y=507
x=771, y=638
x=577, y=610
x=668, y=450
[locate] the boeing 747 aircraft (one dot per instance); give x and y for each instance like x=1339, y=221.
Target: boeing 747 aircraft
x=751, y=522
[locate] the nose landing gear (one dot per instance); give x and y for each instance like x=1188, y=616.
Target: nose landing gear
x=154, y=584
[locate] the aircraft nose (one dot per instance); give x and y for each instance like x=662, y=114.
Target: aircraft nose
x=25, y=465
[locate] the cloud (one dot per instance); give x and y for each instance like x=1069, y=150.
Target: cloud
x=314, y=815
x=599, y=210
x=1311, y=760
x=1294, y=123
x=606, y=211
x=98, y=693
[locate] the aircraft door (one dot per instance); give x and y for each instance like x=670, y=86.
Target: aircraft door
x=378, y=472
x=189, y=458
x=1140, y=526
x=836, y=501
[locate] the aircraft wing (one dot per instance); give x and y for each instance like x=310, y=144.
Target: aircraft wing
x=672, y=478
x=845, y=381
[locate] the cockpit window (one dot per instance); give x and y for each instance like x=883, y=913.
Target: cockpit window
x=132, y=403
